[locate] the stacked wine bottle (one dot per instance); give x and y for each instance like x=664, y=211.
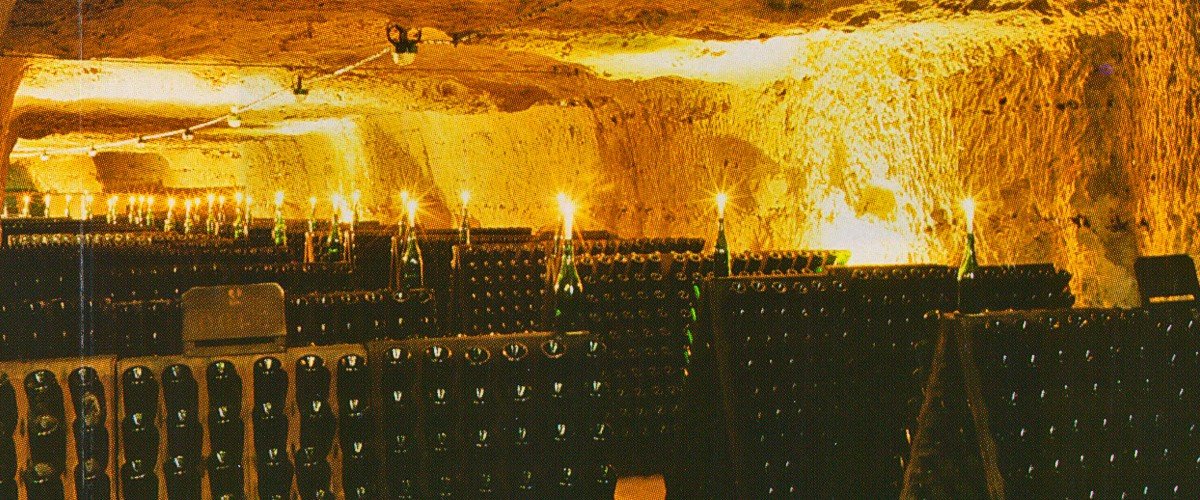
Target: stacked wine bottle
x=1090, y=403
x=500, y=288
x=494, y=416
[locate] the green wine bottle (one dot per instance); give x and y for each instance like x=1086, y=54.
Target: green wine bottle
x=966, y=278
x=721, y=251
x=280, y=231
x=568, y=292
x=412, y=267
x=334, y=251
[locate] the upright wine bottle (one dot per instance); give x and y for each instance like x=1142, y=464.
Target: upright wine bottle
x=966, y=278
x=568, y=291
x=412, y=267
x=334, y=249
x=721, y=252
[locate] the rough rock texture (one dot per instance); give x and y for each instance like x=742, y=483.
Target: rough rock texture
x=847, y=124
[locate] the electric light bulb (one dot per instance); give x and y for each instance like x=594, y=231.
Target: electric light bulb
x=722, y=200
x=312, y=202
x=279, y=199
x=234, y=120
x=45, y=156
x=465, y=196
x=238, y=197
x=187, y=134
x=92, y=152
x=403, y=58
x=171, y=203
x=150, y=201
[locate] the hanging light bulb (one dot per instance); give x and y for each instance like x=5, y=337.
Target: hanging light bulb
x=404, y=49
x=92, y=152
x=45, y=156
x=234, y=120
x=187, y=134
x=141, y=142
x=298, y=91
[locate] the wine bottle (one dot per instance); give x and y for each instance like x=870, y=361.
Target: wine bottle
x=721, y=266
x=412, y=266
x=334, y=249
x=568, y=291
x=966, y=277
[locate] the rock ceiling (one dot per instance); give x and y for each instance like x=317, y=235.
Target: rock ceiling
x=514, y=54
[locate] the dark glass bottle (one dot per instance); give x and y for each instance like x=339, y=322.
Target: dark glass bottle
x=721, y=251
x=966, y=278
x=412, y=267
x=334, y=249
x=568, y=292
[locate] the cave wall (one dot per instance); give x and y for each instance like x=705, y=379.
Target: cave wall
x=1075, y=132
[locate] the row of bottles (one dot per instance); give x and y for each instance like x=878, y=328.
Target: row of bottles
x=349, y=317
x=642, y=306
x=842, y=425
x=1091, y=403
x=499, y=416
x=501, y=288
x=148, y=281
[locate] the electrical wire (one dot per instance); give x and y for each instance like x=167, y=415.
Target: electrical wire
x=32, y=153
x=17, y=153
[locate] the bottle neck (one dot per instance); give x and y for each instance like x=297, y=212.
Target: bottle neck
x=464, y=231
x=970, y=263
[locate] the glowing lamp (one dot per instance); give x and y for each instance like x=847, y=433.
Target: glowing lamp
x=141, y=142
x=722, y=200
x=465, y=196
x=279, y=199
x=234, y=119
x=92, y=152
x=404, y=49
x=187, y=134
x=45, y=156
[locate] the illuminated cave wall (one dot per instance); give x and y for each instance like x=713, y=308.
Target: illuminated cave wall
x=1075, y=130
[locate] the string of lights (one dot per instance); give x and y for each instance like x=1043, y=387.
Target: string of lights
x=403, y=51
x=233, y=118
